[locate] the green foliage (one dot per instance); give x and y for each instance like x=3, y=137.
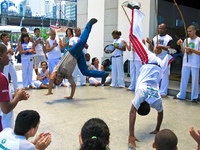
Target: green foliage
x=45, y=33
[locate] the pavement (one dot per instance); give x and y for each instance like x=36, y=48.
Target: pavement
x=65, y=118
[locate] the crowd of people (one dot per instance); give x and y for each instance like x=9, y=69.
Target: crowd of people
x=149, y=77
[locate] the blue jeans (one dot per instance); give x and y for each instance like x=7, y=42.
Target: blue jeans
x=76, y=51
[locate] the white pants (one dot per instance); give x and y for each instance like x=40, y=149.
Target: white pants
x=93, y=80
x=38, y=59
x=82, y=77
x=53, y=63
x=10, y=69
x=184, y=82
x=134, y=73
x=165, y=82
x=27, y=72
x=117, y=72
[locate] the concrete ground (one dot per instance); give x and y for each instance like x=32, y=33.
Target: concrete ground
x=64, y=118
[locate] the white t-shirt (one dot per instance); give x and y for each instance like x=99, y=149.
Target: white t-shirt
x=193, y=59
x=75, y=40
x=10, y=141
x=119, y=43
x=56, y=52
x=39, y=46
x=27, y=46
x=162, y=40
x=148, y=82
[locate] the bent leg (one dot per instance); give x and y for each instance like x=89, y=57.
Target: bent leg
x=84, y=69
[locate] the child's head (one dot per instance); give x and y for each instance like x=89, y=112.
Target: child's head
x=165, y=140
x=144, y=109
x=87, y=57
x=25, y=121
x=24, y=38
x=4, y=37
x=37, y=31
x=23, y=30
x=4, y=59
x=44, y=65
x=94, y=135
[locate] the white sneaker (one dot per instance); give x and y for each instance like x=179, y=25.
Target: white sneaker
x=171, y=51
x=132, y=5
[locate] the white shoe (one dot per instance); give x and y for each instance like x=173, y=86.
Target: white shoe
x=171, y=51
x=132, y=5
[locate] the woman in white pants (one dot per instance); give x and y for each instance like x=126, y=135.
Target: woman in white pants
x=10, y=67
x=117, y=61
x=27, y=49
x=96, y=66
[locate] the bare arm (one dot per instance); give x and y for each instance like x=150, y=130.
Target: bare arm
x=150, y=44
x=73, y=88
x=10, y=51
x=122, y=49
x=159, y=121
x=132, y=118
x=53, y=75
x=48, y=48
x=8, y=106
x=61, y=44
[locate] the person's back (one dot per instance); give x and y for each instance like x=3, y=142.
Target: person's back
x=165, y=140
x=12, y=141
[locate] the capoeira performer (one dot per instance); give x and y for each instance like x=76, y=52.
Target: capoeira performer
x=147, y=87
x=193, y=48
x=67, y=64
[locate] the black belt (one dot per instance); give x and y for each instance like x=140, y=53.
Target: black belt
x=117, y=56
x=154, y=64
x=72, y=54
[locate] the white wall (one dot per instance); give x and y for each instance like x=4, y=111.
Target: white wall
x=95, y=41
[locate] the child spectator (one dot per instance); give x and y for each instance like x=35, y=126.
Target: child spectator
x=26, y=126
x=94, y=135
x=27, y=49
x=43, y=77
x=165, y=140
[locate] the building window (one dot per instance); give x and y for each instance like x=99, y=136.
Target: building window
x=195, y=24
x=179, y=23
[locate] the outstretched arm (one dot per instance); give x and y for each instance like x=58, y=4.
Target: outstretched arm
x=132, y=117
x=159, y=121
x=53, y=75
x=73, y=88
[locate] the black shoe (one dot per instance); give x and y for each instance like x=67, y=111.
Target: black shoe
x=175, y=97
x=194, y=101
x=92, y=21
x=104, y=78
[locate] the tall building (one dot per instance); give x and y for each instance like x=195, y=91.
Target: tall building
x=48, y=8
x=37, y=7
x=5, y=5
x=69, y=9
